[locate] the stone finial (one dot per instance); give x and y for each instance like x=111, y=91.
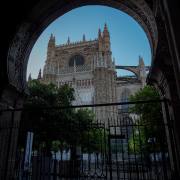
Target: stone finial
x=105, y=29
x=84, y=37
x=114, y=60
x=106, y=38
x=51, y=43
x=100, y=40
x=114, y=63
x=39, y=74
x=68, y=41
x=105, y=26
x=29, y=78
x=52, y=37
x=106, y=32
x=99, y=33
x=141, y=61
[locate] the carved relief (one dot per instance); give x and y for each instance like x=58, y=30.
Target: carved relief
x=16, y=56
x=162, y=53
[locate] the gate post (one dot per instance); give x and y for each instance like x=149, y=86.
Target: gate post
x=9, y=129
x=172, y=148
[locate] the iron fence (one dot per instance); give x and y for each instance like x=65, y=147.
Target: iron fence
x=123, y=148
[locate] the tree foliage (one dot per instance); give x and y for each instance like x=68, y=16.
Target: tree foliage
x=148, y=127
x=55, y=128
x=40, y=117
x=150, y=113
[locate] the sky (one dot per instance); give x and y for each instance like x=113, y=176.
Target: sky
x=128, y=39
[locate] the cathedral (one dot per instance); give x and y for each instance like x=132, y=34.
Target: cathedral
x=88, y=67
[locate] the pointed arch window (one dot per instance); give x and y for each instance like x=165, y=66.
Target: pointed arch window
x=125, y=98
x=77, y=60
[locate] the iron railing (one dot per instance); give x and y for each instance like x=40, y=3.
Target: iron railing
x=122, y=148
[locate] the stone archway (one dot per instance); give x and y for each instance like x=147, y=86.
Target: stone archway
x=162, y=81
x=31, y=29
x=151, y=15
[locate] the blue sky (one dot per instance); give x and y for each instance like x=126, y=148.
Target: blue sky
x=128, y=40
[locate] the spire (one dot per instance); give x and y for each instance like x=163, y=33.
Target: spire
x=51, y=43
x=68, y=41
x=99, y=34
x=114, y=63
x=52, y=38
x=114, y=60
x=84, y=37
x=39, y=75
x=51, y=47
x=142, y=71
x=29, y=78
x=100, y=41
x=106, y=38
x=105, y=26
x=105, y=32
x=141, y=61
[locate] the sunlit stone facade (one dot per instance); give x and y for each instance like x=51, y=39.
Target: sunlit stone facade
x=87, y=66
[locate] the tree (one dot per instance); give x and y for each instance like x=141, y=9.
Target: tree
x=94, y=140
x=53, y=126
x=147, y=131
x=58, y=129
x=44, y=122
x=150, y=112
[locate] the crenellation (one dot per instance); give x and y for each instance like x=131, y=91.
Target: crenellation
x=76, y=44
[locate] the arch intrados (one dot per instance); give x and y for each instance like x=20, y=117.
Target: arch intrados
x=124, y=6
x=30, y=31
x=129, y=71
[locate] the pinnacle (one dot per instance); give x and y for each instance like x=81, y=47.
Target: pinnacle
x=39, y=75
x=105, y=32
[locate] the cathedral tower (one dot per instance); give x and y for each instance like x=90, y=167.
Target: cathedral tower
x=142, y=71
x=106, y=39
x=104, y=78
x=50, y=68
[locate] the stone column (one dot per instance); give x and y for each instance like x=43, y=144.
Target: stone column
x=166, y=85
x=170, y=113
x=9, y=128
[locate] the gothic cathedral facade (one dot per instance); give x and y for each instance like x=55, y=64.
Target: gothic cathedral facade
x=88, y=67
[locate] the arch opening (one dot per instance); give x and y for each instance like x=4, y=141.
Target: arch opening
x=37, y=21
x=126, y=73
x=29, y=32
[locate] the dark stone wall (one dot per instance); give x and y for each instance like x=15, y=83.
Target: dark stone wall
x=14, y=13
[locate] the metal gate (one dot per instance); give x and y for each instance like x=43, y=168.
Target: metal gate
x=123, y=148
x=135, y=155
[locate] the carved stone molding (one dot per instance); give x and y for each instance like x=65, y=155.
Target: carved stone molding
x=16, y=55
